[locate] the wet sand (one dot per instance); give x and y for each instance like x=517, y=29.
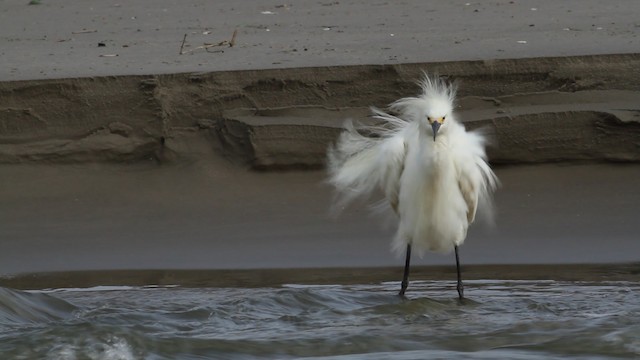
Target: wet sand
x=251, y=278
x=214, y=215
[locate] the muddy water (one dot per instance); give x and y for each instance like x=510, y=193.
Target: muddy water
x=500, y=320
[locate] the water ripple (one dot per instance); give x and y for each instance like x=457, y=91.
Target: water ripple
x=502, y=320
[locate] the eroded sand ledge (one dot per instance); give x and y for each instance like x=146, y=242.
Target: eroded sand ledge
x=540, y=109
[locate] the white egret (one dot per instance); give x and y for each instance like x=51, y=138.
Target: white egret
x=433, y=173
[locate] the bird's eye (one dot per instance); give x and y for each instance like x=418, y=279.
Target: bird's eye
x=443, y=118
x=429, y=118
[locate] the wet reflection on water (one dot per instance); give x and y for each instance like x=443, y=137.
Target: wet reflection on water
x=501, y=320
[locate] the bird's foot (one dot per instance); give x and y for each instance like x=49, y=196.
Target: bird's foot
x=403, y=288
x=460, y=291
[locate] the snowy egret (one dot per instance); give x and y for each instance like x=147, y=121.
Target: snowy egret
x=434, y=174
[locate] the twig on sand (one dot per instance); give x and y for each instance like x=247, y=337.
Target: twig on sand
x=84, y=31
x=232, y=43
x=182, y=45
x=207, y=46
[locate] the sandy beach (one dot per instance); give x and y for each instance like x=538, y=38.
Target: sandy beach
x=130, y=155
x=62, y=39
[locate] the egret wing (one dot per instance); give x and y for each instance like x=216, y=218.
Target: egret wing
x=369, y=157
x=476, y=180
x=469, y=192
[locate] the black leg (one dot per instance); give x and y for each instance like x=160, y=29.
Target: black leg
x=460, y=286
x=405, y=277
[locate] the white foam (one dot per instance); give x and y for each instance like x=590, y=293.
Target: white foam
x=303, y=286
x=63, y=352
x=93, y=288
x=115, y=348
x=102, y=288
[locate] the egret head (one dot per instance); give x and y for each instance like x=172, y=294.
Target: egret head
x=437, y=111
x=433, y=108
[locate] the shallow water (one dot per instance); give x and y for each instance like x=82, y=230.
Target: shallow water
x=501, y=320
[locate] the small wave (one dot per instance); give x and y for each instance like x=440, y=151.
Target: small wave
x=105, y=288
x=437, y=354
x=22, y=307
x=88, y=289
x=305, y=286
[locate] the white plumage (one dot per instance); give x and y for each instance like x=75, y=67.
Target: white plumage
x=432, y=171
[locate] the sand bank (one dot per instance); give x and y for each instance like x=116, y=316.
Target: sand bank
x=159, y=172
x=540, y=110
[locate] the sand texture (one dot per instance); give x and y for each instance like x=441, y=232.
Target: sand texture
x=542, y=109
x=62, y=39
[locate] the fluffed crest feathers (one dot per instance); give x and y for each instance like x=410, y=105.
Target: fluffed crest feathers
x=437, y=88
x=436, y=100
